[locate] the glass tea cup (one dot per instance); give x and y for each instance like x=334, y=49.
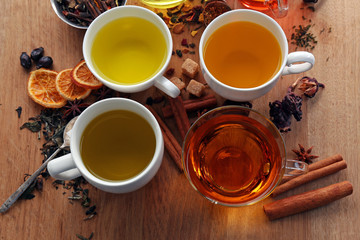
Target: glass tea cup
x=279, y=8
x=234, y=156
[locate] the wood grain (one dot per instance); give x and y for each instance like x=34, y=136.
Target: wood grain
x=168, y=207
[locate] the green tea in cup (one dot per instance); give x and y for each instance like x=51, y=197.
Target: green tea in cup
x=129, y=50
x=117, y=145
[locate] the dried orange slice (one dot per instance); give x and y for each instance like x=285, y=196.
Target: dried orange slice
x=42, y=88
x=67, y=88
x=82, y=77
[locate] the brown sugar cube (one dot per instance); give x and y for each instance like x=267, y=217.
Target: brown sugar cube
x=177, y=81
x=190, y=68
x=195, y=88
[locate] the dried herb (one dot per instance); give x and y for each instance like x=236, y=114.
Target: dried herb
x=179, y=53
x=310, y=86
x=214, y=9
x=303, y=38
x=19, y=110
x=192, y=45
x=34, y=126
x=281, y=111
x=25, y=60
x=304, y=155
x=184, y=42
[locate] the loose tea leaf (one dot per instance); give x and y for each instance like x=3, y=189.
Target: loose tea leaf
x=303, y=38
x=19, y=110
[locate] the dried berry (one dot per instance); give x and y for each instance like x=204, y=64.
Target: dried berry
x=44, y=62
x=25, y=60
x=37, y=53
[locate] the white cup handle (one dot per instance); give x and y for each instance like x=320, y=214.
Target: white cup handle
x=301, y=56
x=63, y=168
x=167, y=86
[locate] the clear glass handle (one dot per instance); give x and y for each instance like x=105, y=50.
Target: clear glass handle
x=279, y=8
x=295, y=167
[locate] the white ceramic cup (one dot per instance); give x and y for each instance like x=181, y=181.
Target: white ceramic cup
x=71, y=165
x=158, y=80
x=304, y=60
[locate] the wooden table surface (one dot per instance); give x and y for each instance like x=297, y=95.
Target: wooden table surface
x=168, y=207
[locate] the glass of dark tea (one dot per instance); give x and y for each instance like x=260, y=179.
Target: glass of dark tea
x=235, y=156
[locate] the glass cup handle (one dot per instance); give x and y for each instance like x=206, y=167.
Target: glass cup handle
x=295, y=167
x=167, y=86
x=63, y=168
x=280, y=9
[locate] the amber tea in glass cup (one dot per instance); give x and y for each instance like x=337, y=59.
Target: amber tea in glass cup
x=235, y=156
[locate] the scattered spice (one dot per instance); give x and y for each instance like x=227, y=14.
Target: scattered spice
x=304, y=155
x=102, y=93
x=192, y=45
x=19, y=110
x=184, y=14
x=308, y=200
x=74, y=108
x=184, y=42
x=303, y=38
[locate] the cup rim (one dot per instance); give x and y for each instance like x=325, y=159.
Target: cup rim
x=253, y=201
x=75, y=151
x=234, y=12
x=88, y=45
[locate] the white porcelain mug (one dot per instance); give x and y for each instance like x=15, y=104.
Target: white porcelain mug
x=295, y=62
x=157, y=79
x=71, y=166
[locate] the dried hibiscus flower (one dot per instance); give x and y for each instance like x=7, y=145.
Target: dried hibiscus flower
x=281, y=111
x=310, y=86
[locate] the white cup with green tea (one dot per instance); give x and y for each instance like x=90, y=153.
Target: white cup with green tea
x=243, y=53
x=116, y=145
x=128, y=49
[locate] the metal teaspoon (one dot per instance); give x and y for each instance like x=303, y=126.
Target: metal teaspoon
x=12, y=199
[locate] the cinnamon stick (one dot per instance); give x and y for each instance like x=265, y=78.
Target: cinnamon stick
x=192, y=105
x=180, y=115
x=171, y=144
x=310, y=176
x=316, y=165
x=308, y=200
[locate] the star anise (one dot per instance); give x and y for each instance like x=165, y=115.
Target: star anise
x=74, y=108
x=304, y=155
x=103, y=92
